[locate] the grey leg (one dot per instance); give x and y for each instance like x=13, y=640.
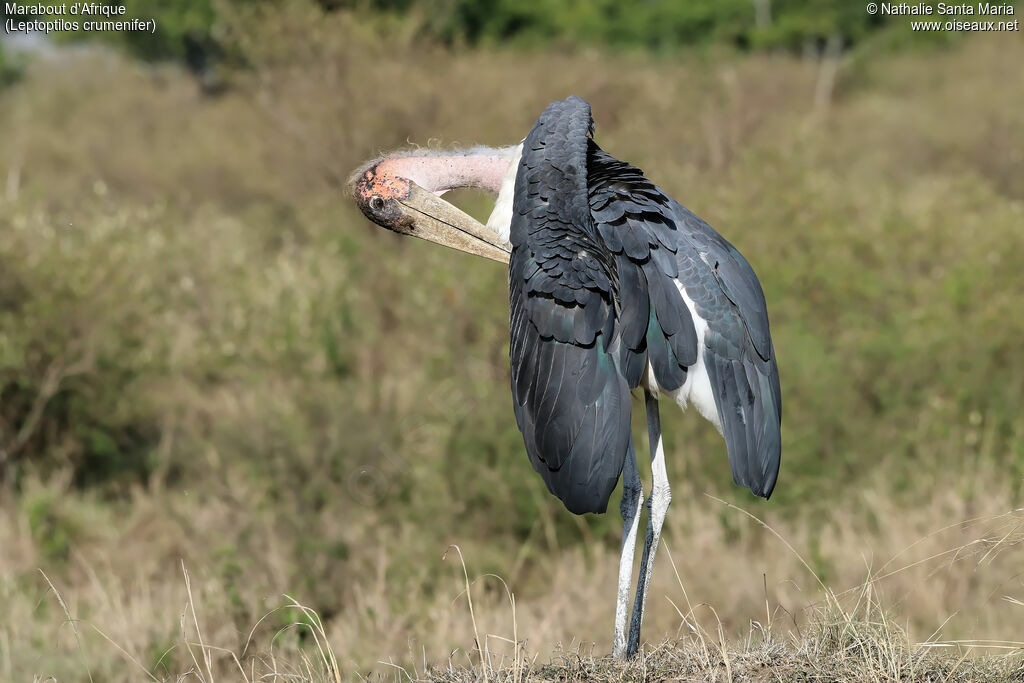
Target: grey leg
x=632, y=499
x=657, y=507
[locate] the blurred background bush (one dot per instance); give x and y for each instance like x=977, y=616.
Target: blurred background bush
x=206, y=352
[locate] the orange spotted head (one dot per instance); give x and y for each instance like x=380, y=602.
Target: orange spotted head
x=378, y=194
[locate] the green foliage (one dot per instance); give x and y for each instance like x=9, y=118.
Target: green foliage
x=50, y=526
x=203, y=33
x=178, y=21
x=650, y=24
x=10, y=69
x=180, y=24
x=55, y=341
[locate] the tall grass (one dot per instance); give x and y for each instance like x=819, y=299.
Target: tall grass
x=208, y=356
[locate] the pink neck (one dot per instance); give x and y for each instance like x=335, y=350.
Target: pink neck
x=438, y=173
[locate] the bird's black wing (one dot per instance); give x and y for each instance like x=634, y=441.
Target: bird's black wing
x=592, y=299
x=571, y=402
x=598, y=257
x=738, y=352
x=635, y=222
x=660, y=245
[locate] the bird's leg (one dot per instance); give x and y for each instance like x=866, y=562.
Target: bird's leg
x=632, y=499
x=657, y=507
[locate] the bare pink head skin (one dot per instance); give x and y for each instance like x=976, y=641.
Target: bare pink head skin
x=401, y=192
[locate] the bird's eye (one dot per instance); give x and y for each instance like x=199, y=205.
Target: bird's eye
x=376, y=203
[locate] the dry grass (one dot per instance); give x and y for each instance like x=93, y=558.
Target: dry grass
x=126, y=607
x=212, y=367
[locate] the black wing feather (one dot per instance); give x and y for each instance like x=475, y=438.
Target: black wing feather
x=656, y=324
x=738, y=351
x=571, y=402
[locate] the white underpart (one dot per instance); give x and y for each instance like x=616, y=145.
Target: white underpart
x=500, y=220
x=697, y=387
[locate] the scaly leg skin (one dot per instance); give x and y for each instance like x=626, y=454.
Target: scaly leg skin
x=632, y=499
x=657, y=508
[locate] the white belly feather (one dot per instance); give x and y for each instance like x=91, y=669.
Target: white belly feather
x=500, y=220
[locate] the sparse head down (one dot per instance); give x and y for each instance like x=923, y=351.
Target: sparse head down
x=402, y=192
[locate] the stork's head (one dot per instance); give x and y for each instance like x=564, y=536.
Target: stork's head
x=402, y=192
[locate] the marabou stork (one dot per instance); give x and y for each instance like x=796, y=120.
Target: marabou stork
x=613, y=285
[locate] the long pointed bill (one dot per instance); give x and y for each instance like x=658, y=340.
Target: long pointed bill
x=431, y=218
x=389, y=193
